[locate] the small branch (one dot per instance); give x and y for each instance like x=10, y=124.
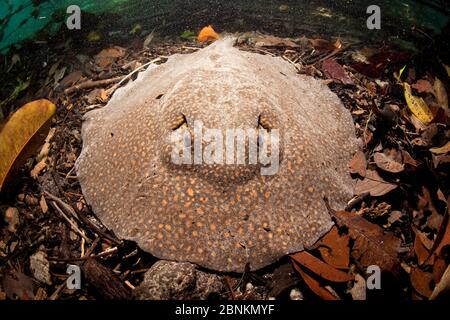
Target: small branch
x=92, y=84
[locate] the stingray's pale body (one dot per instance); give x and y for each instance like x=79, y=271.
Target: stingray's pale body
x=218, y=216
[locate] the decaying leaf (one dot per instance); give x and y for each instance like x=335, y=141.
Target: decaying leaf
x=421, y=251
x=320, y=268
x=274, y=42
x=335, y=71
x=443, y=285
x=374, y=184
x=390, y=161
x=422, y=282
x=18, y=286
x=423, y=86
x=314, y=285
x=107, y=56
x=43, y=205
x=334, y=248
x=372, y=246
x=441, y=94
x=22, y=135
x=417, y=105
x=442, y=150
x=358, y=164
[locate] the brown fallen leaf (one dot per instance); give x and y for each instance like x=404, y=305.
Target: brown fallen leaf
x=274, y=42
x=334, y=248
x=71, y=79
x=107, y=56
x=314, y=285
x=422, y=282
x=372, y=246
x=420, y=250
x=358, y=164
x=43, y=204
x=323, y=45
x=334, y=70
x=441, y=150
x=374, y=184
x=390, y=161
x=18, y=286
x=441, y=95
x=443, y=285
x=409, y=160
x=320, y=268
x=423, y=86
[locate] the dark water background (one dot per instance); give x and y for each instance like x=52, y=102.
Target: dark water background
x=40, y=20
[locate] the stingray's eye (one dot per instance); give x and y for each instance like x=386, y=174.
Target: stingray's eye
x=178, y=122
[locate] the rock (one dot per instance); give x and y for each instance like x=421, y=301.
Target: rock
x=284, y=8
x=168, y=280
x=40, y=267
x=12, y=219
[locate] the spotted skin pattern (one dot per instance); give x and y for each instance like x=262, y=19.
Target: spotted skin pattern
x=218, y=216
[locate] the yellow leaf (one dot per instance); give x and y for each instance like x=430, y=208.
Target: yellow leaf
x=417, y=106
x=22, y=135
x=442, y=150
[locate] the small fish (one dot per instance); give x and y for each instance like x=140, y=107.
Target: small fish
x=207, y=34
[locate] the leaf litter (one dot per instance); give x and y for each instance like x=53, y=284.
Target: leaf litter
x=393, y=168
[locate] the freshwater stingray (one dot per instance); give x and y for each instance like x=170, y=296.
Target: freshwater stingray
x=220, y=216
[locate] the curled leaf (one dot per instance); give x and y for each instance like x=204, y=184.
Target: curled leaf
x=417, y=106
x=374, y=184
x=388, y=162
x=22, y=135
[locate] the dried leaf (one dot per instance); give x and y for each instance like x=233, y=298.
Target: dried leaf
x=389, y=162
x=334, y=248
x=274, y=42
x=421, y=251
x=371, y=245
x=322, y=45
x=41, y=165
x=148, y=39
x=442, y=150
x=358, y=164
x=22, y=136
x=443, y=285
x=423, y=86
x=336, y=71
x=107, y=56
x=374, y=184
x=314, y=285
x=441, y=94
x=320, y=268
x=417, y=105
x=18, y=286
x=422, y=282
x=447, y=68
x=43, y=205
x=358, y=291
